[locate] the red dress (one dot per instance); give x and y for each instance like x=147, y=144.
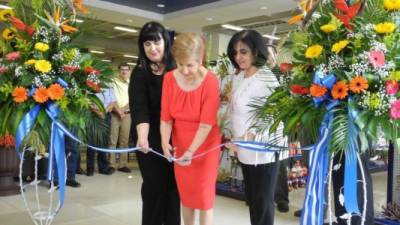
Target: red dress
x=187, y=109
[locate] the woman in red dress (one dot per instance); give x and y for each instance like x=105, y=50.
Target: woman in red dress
x=189, y=108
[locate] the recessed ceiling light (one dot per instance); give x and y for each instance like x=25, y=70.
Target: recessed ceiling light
x=129, y=20
x=125, y=29
x=209, y=18
x=160, y=5
x=96, y=52
x=131, y=63
x=232, y=27
x=106, y=60
x=271, y=37
x=131, y=56
x=263, y=7
x=5, y=7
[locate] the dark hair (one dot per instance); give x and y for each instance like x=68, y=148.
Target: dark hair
x=254, y=41
x=153, y=31
x=122, y=64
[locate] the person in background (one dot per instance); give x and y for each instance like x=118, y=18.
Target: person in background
x=189, y=107
x=120, y=118
x=248, y=54
x=96, y=138
x=159, y=192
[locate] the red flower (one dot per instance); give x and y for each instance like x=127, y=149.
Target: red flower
x=18, y=23
x=285, y=67
x=90, y=69
x=93, y=85
x=3, y=69
x=299, y=89
x=30, y=30
x=70, y=69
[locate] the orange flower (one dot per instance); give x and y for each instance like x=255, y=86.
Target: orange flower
x=18, y=23
x=20, y=94
x=317, y=90
x=358, y=84
x=339, y=90
x=41, y=95
x=79, y=5
x=55, y=91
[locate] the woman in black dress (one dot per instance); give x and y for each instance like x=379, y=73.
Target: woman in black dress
x=161, y=205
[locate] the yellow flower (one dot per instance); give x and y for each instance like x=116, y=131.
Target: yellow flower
x=314, y=51
x=339, y=46
x=9, y=33
x=385, y=28
x=391, y=4
x=5, y=14
x=40, y=46
x=43, y=66
x=328, y=28
x=30, y=62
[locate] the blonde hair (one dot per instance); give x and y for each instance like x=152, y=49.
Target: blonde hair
x=188, y=45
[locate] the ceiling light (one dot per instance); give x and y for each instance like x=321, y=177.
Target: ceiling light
x=78, y=21
x=125, y=29
x=232, y=27
x=106, y=60
x=160, y=5
x=96, y=52
x=130, y=56
x=271, y=37
x=131, y=63
x=209, y=18
x=129, y=20
x=263, y=7
x=5, y=7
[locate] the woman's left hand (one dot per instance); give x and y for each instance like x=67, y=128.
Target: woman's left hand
x=185, y=159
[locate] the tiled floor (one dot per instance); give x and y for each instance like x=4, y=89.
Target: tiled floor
x=115, y=200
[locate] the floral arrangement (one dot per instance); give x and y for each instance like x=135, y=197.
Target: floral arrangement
x=341, y=88
x=40, y=66
x=345, y=58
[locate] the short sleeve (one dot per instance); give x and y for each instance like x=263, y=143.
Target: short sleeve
x=210, y=105
x=166, y=97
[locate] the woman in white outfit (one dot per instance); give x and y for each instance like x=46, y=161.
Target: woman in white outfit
x=248, y=53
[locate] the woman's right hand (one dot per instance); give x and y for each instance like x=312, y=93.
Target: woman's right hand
x=168, y=150
x=143, y=144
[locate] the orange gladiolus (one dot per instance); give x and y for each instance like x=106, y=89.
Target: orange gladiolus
x=20, y=94
x=41, y=95
x=358, y=84
x=317, y=90
x=55, y=92
x=339, y=90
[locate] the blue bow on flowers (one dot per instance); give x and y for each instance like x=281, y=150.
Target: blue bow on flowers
x=313, y=209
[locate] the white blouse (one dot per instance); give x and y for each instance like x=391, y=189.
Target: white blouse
x=244, y=92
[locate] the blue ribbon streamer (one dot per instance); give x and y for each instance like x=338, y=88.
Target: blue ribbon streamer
x=350, y=176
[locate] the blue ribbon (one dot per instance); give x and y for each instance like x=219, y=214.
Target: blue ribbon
x=313, y=208
x=350, y=176
x=327, y=81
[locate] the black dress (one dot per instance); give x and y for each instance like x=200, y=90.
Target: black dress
x=160, y=196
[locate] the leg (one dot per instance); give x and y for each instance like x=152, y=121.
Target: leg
x=262, y=180
x=282, y=190
x=124, y=131
x=188, y=215
x=206, y=217
x=161, y=205
x=90, y=161
x=114, y=132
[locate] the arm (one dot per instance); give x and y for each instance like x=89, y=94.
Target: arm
x=166, y=117
x=139, y=107
x=166, y=129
